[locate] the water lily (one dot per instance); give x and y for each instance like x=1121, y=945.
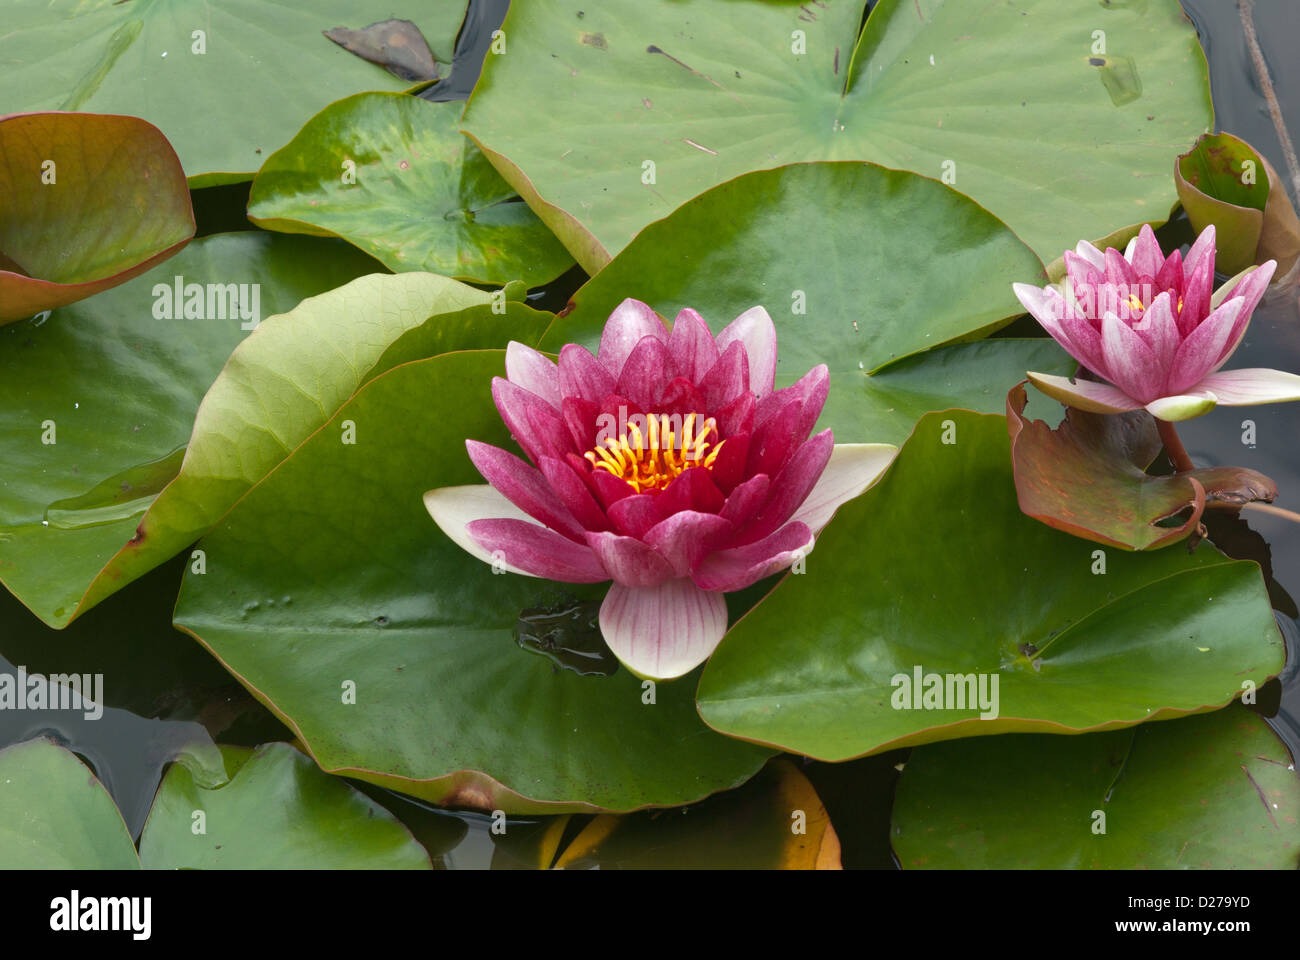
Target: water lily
x=667, y=463
x=1155, y=329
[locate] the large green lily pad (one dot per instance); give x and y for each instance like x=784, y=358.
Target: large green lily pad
x=329, y=582
x=263, y=70
x=115, y=384
x=55, y=814
x=86, y=202
x=998, y=97
x=280, y=812
x=1213, y=791
x=394, y=175
x=285, y=382
x=886, y=264
x=936, y=571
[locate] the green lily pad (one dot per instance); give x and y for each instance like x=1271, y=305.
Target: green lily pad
x=1223, y=181
x=284, y=383
x=328, y=582
x=56, y=815
x=936, y=572
x=277, y=812
x=97, y=403
x=86, y=202
x=887, y=264
x=227, y=86
x=1215, y=791
x=1088, y=477
x=997, y=98
x=394, y=175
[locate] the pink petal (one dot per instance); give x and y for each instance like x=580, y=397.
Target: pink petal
x=1119, y=272
x=1159, y=328
x=1084, y=394
x=755, y=330
x=686, y=538
x=791, y=487
x=454, y=508
x=537, y=551
x=1170, y=276
x=694, y=489
x=1236, y=388
x=1201, y=350
x=738, y=416
x=628, y=560
x=729, y=468
x=1250, y=290
x=810, y=391
x=633, y=516
x=581, y=417
x=692, y=346
x=772, y=444
x=525, y=487
x=1201, y=250
x=582, y=375
x=1147, y=258
x=1130, y=363
x=747, y=498
x=536, y=425
x=853, y=467
x=1048, y=307
x=529, y=369
x=573, y=492
x=727, y=379
x=738, y=567
x=1091, y=254
x=627, y=325
x=1198, y=286
x=664, y=631
x=647, y=370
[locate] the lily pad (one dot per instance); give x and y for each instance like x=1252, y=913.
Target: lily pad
x=284, y=383
x=227, y=86
x=1216, y=791
x=1088, y=477
x=97, y=403
x=607, y=116
x=277, y=812
x=887, y=264
x=86, y=202
x=1224, y=181
x=327, y=583
x=935, y=573
x=393, y=175
x=775, y=822
x=56, y=815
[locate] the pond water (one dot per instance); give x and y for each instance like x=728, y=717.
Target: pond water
x=167, y=691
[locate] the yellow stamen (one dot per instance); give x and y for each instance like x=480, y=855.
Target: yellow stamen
x=650, y=462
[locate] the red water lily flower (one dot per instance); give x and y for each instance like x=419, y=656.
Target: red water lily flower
x=667, y=463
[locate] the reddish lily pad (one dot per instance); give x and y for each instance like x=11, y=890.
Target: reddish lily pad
x=1088, y=477
x=1224, y=181
x=87, y=201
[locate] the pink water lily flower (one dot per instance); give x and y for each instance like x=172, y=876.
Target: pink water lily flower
x=666, y=463
x=1154, y=327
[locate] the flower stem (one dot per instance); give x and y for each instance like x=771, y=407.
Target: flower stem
x=1174, y=446
x=1276, y=511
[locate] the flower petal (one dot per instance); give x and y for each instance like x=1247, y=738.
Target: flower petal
x=524, y=546
x=1088, y=252
x=738, y=567
x=525, y=487
x=627, y=325
x=853, y=467
x=1159, y=328
x=1250, y=290
x=1147, y=257
x=535, y=425
x=791, y=487
x=1084, y=394
x=755, y=330
x=726, y=379
x=1239, y=388
x=1183, y=406
x=810, y=391
x=664, y=631
x=1130, y=363
x=692, y=346
x=686, y=538
x=533, y=371
x=582, y=375
x=454, y=508
x=628, y=560
x=1201, y=350
x=646, y=372
x=574, y=493
x=748, y=497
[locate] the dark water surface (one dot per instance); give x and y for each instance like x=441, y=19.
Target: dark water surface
x=163, y=691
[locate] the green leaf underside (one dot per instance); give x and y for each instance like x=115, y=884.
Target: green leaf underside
x=330, y=570
x=120, y=388
x=998, y=97
x=394, y=175
x=1215, y=791
x=936, y=568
